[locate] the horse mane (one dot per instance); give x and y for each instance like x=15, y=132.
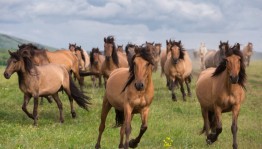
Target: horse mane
x=143, y=52
x=222, y=66
x=94, y=50
x=221, y=51
x=180, y=46
x=32, y=48
x=78, y=48
x=27, y=61
x=111, y=40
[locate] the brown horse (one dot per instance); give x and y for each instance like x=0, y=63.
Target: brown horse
x=96, y=60
x=164, y=55
x=41, y=81
x=120, y=48
x=247, y=53
x=60, y=57
x=221, y=90
x=178, y=69
x=130, y=92
x=213, y=58
x=113, y=58
x=130, y=52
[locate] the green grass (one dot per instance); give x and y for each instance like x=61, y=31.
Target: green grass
x=181, y=121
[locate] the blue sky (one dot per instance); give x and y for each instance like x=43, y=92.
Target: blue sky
x=86, y=22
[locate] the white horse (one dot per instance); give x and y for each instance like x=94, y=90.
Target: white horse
x=202, y=51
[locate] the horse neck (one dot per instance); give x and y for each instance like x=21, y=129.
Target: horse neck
x=110, y=64
x=26, y=78
x=226, y=84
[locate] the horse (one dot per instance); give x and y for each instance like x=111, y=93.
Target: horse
x=72, y=47
x=120, y=48
x=34, y=81
x=220, y=90
x=202, y=51
x=247, y=52
x=130, y=91
x=96, y=60
x=164, y=55
x=113, y=58
x=213, y=58
x=156, y=53
x=178, y=69
x=130, y=52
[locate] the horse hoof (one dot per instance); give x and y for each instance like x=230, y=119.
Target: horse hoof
x=121, y=146
x=209, y=142
x=133, y=143
x=235, y=146
x=73, y=115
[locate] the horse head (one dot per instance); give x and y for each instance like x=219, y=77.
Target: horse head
x=110, y=49
x=72, y=47
x=222, y=48
x=176, y=51
x=80, y=56
x=94, y=56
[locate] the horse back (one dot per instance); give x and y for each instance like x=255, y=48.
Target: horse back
x=122, y=59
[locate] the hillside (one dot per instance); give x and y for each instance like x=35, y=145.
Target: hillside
x=11, y=42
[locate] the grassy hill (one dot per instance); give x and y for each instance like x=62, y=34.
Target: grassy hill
x=8, y=42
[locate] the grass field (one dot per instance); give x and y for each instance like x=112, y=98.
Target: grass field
x=180, y=121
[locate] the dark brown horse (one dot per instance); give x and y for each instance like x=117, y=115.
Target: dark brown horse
x=213, y=58
x=222, y=89
x=113, y=58
x=129, y=92
x=178, y=69
x=41, y=81
x=96, y=60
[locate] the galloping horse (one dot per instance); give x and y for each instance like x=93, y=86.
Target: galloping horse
x=60, y=57
x=130, y=92
x=113, y=58
x=221, y=90
x=247, y=53
x=202, y=51
x=178, y=69
x=42, y=81
x=96, y=60
x=164, y=55
x=213, y=58
x=130, y=52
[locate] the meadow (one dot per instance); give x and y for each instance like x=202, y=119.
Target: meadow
x=177, y=123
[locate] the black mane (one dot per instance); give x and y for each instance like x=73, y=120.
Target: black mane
x=111, y=40
x=222, y=66
x=143, y=52
x=27, y=61
x=78, y=48
x=180, y=46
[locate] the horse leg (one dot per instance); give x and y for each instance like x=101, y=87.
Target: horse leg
x=35, y=114
x=68, y=92
x=172, y=86
x=122, y=133
x=206, y=126
x=235, y=112
x=144, y=115
x=188, y=87
x=128, y=116
x=49, y=99
x=182, y=89
x=81, y=83
x=105, y=109
x=100, y=80
x=59, y=105
x=24, y=106
x=211, y=138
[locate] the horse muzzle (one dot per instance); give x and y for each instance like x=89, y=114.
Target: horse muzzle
x=7, y=76
x=175, y=60
x=234, y=79
x=139, y=86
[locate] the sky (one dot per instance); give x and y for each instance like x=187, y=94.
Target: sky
x=86, y=22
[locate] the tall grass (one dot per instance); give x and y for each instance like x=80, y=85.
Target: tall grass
x=180, y=121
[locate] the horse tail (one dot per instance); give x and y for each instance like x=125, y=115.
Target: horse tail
x=119, y=118
x=82, y=100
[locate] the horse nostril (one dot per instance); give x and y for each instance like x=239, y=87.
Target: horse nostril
x=107, y=58
x=139, y=86
x=233, y=79
x=6, y=75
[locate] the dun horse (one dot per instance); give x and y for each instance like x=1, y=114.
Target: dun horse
x=164, y=56
x=60, y=57
x=120, y=48
x=221, y=90
x=156, y=54
x=41, y=81
x=130, y=52
x=247, y=53
x=213, y=58
x=113, y=59
x=129, y=91
x=178, y=69
x=96, y=60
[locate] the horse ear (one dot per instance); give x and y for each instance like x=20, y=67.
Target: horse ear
x=238, y=46
x=179, y=42
x=220, y=42
x=166, y=41
x=105, y=39
x=19, y=46
x=10, y=53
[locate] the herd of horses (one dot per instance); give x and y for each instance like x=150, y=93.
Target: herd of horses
x=128, y=83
